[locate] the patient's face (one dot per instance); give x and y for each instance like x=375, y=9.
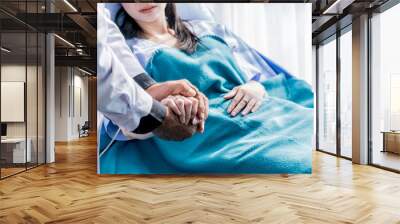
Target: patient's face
x=145, y=12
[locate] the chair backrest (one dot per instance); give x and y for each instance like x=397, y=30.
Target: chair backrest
x=86, y=125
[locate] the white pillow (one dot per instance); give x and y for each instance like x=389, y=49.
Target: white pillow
x=112, y=8
x=194, y=11
x=187, y=11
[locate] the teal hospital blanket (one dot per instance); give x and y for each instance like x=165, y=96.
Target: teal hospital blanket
x=275, y=139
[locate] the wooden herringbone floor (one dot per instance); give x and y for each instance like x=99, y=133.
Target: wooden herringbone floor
x=70, y=191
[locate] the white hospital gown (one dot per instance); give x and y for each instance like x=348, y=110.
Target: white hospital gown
x=249, y=60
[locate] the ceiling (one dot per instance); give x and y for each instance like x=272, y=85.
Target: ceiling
x=329, y=16
x=72, y=20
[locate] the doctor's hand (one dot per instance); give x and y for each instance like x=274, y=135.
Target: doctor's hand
x=172, y=129
x=160, y=91
x=186, y=108
x=246, y=98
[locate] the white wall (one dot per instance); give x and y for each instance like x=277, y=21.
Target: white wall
x=33, y=127
x=12, y=73
x=13, y=100
x=70, y=83
x=61, y=103
x=81, y=85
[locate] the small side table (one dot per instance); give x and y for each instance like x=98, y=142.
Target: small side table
x=391, y=141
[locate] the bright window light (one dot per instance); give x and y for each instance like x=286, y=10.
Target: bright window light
x=70, y=5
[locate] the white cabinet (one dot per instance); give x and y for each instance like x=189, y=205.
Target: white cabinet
x=16, y=147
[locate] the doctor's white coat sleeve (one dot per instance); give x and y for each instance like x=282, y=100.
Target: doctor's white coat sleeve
x=117, y=43
x=121, y=98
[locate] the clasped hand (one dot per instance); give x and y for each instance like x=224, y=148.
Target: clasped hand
x=190, y=106
x=184, y=100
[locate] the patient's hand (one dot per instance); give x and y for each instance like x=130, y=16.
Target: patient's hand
x=173, y=129
x=160, y=91
x=246, y=98
x=186, y=108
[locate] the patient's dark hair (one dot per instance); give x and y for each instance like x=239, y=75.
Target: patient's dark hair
x=187, y=41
